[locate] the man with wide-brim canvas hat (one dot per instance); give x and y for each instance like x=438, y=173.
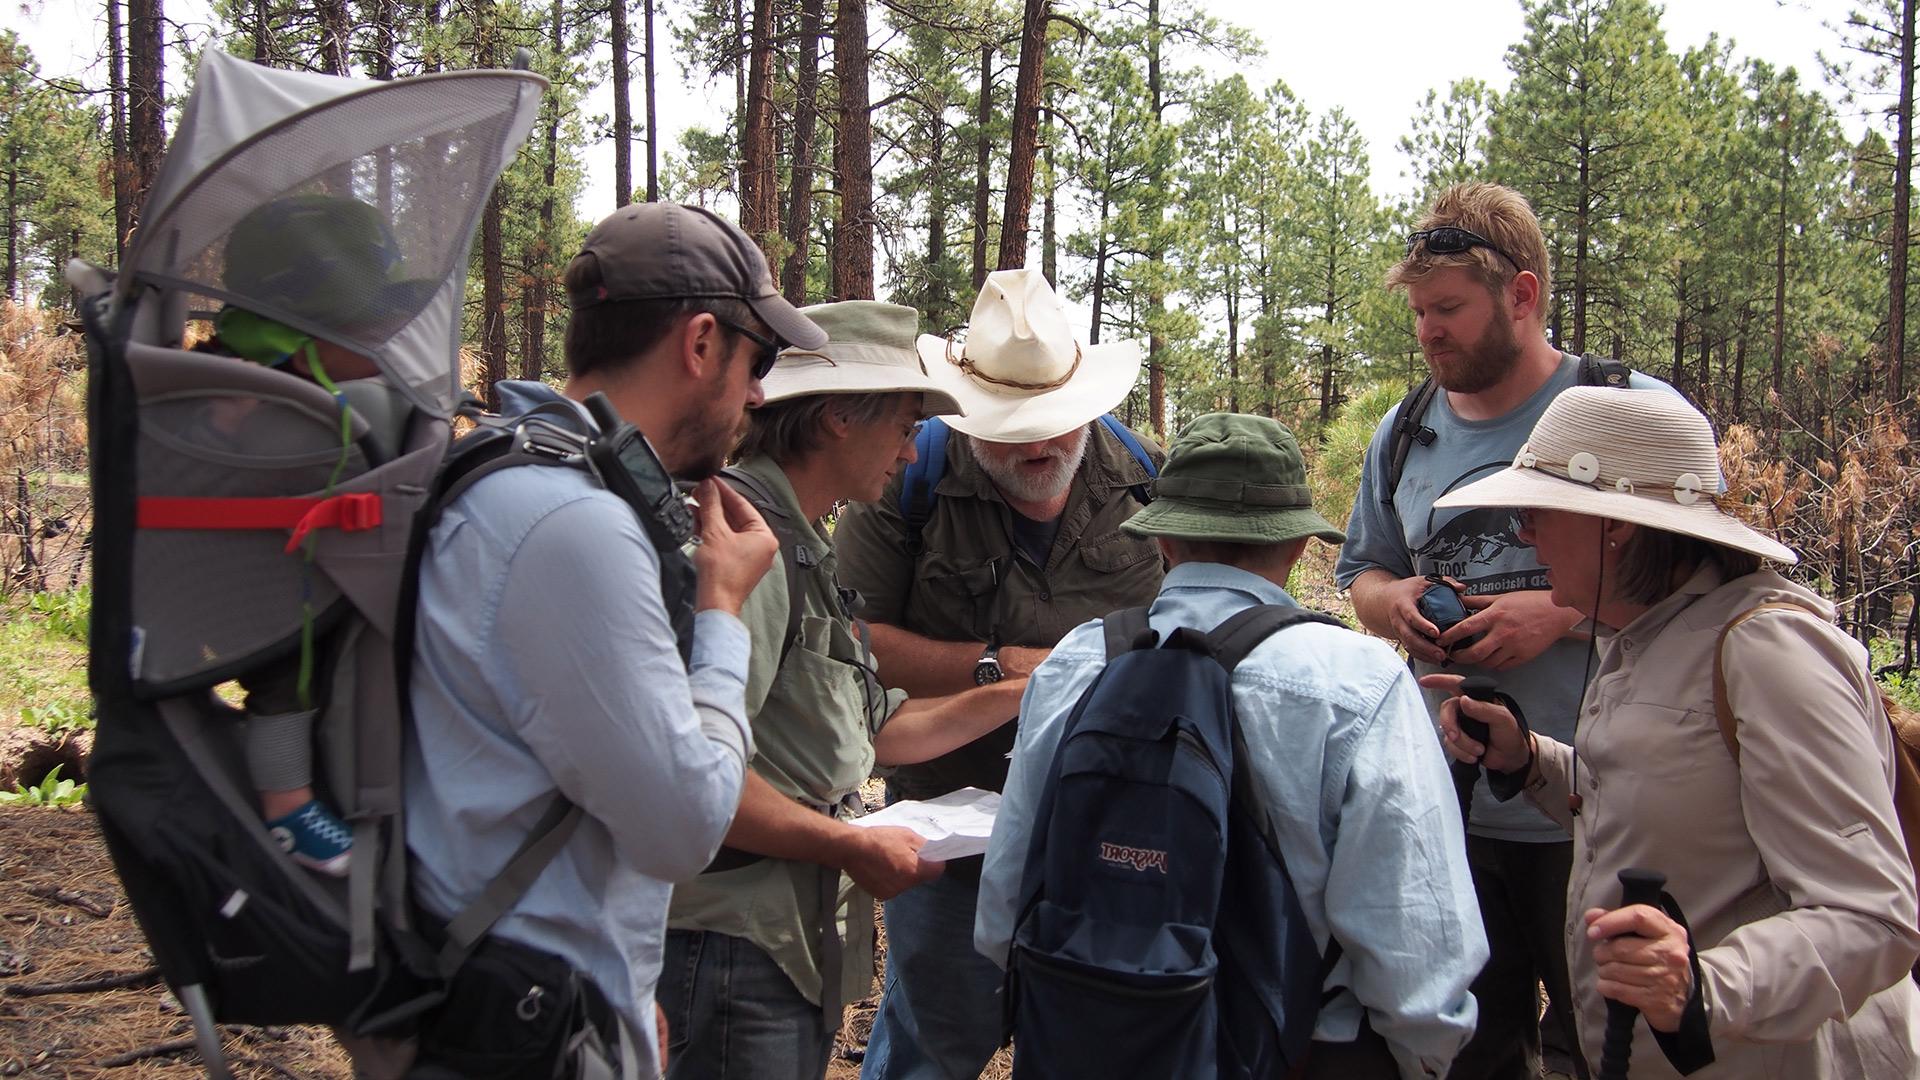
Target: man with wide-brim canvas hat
x=780, y=925
x=1335, y=737
x=1017, y=542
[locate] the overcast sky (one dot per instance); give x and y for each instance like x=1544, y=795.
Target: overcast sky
x=1375, y=58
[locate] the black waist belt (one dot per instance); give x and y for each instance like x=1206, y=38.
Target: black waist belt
x=731, y=858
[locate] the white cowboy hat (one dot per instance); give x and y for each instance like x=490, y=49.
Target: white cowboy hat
x=869, y=350
x=1020, y=374
x=1644, y=456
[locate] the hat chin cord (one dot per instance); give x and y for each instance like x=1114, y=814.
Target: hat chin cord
x=1586, y=671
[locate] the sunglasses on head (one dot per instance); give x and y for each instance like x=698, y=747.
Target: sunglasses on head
x=769, y=349
x=1452, y=240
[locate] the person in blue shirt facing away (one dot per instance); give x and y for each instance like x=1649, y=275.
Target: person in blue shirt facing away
x=1341, y=758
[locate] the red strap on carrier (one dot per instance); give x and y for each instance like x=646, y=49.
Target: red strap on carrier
x=348, y=513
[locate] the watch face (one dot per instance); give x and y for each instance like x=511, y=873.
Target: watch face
x=987, y=672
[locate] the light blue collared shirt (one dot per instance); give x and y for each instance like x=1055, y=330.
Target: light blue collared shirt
x=544, y=664
x=1344, y=760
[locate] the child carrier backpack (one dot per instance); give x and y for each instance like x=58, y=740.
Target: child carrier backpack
x=1159, y=934
x=919, y=486
x=248, y=518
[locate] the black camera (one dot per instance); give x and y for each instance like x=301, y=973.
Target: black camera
x=1441, y=606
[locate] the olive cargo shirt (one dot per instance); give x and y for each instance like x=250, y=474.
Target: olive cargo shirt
x=814, y=715
x=967, y=583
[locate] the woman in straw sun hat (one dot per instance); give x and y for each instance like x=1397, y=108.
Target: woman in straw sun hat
x=1788, y=864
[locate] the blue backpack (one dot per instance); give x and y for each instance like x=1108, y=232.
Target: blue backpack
x=1159, y=934
x=917, y=487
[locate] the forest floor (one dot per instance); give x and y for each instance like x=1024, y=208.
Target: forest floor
x=65, y=926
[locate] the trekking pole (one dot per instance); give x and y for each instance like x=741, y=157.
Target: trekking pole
x=1465, y=775
x=1636, y=887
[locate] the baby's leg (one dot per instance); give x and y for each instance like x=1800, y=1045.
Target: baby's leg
x=280, y=759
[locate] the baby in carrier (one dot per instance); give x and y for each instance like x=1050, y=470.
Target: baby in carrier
x=332, y=260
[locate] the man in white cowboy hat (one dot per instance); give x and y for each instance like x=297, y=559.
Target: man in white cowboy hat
x=766, y=945
x=1018, y=542
x=1476, y=278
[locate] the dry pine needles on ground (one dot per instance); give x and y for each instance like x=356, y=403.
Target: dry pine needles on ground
x=64, y=921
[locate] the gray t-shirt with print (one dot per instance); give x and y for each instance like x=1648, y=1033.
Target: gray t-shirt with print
x=1478, y=547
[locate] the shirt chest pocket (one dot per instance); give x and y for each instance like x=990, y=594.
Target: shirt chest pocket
x=1118, y=553
x=819, y=720
x=955, y=601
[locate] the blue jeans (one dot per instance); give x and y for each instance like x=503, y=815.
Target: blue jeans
x=940, y=1017
x=732, y=1014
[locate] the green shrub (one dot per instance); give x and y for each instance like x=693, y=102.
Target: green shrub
x=51, y=791
x=43, y=664
x=1885, y=652
x=57, y=716
x=1335, y=473
x=66, y=613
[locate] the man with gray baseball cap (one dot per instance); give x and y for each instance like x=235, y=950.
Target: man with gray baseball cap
x=547, y=666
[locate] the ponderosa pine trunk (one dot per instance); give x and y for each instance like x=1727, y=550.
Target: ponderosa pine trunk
x=146, y=95
x=759, y=209
x=653, y=122
x=1902, y=209
x=1024, y=147
x=622, y=105
x=117, y=125
x=853, y=156
x=533, y=356
x=793, y=277
x=983, y=165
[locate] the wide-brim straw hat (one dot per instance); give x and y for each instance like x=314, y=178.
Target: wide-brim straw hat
x=869, y=350
x=1020, y=374
x=1644, y=456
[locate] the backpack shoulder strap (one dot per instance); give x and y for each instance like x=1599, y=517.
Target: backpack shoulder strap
x=757, y=493
x=1722, y=709
x=922, y=477
x=1605, y=371
x=1243, y=631
x=1127, y=630
x=549, y=835
x=1406, y=430
x=1141, y=492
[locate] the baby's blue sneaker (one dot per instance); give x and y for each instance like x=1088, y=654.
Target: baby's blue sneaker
x=315, y=838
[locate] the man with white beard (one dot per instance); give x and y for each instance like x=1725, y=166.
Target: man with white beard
x=973, y=565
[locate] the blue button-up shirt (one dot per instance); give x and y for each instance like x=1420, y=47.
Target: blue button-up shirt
x=544, y=665
x=1343, y=761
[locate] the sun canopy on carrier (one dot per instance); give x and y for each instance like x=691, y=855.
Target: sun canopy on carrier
x=421, y=153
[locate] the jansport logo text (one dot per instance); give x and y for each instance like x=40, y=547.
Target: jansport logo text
x=1138, y=858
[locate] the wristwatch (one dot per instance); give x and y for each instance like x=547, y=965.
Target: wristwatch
x=987, y=670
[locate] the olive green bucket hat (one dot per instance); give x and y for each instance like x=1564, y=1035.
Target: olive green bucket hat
x=1233, y=479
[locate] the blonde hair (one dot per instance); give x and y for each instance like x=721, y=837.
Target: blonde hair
x=1498, y=213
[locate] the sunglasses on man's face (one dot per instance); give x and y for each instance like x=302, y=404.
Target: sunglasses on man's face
x=1450, y=240
x=769, y=349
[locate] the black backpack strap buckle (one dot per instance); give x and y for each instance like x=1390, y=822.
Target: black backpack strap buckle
x=1127, y=630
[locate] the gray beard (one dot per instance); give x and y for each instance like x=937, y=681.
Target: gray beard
x=1030, y=488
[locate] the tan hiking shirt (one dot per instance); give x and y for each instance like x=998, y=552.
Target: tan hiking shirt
x=1790, y=867
x=814, y=717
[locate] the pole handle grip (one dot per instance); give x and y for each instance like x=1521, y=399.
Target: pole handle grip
x=1637, y=886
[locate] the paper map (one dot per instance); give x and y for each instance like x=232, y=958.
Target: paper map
x=956, y=824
